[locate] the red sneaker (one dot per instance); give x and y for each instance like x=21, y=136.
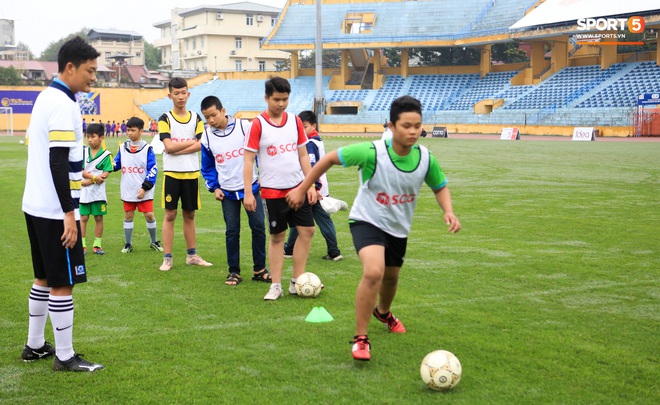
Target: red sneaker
x=394, y=325
x=361, y=348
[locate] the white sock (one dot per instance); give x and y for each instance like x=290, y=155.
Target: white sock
x=38, y=307
x=60, y=309
x=278, y=284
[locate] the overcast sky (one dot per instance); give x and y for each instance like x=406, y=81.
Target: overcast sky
x=40, y=22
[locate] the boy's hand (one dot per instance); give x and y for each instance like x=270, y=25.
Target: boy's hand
x=311, y=195
x=219, y=195
x=86, y=183
x=295, y=198
x=250, y=203
x=140, y=194
x=453, y=222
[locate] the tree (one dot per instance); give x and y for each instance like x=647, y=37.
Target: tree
x=152, y=56
x=9, y=76
x=329, y=59
x=22, y=46
x=455, y=56
x=507, y=53
x=51, y=51
x=393, y=56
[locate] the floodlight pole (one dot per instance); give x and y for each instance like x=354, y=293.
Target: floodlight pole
x=318, y=98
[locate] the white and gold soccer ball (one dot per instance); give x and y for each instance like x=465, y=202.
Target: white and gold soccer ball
x=308, y=285
x=441, y=370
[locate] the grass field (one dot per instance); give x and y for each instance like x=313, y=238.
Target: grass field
x=549, y=294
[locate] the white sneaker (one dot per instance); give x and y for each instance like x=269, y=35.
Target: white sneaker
x=167, y=264
x=292, y=288
x=274, y=292
x=196, y=260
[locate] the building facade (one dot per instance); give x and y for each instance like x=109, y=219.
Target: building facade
x=117, y=45
x=219, y=38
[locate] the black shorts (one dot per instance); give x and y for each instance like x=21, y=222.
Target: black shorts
x=281, y=216
x=187, y=190
x=364, y=234
x=51, y=261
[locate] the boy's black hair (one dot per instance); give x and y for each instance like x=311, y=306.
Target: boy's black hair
x=277, y=84
x=135, y=122
x=95, y=129
x=404, y=104
x=76, y=51
x=308, y=116
x=211, y=101
x=177, y=83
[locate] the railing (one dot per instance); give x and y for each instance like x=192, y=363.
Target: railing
x=542, y=114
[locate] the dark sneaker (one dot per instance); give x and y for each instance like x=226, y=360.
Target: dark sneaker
x=333, y=258
x=30, y=354
x=361, y=348
x=288, y=254
x=98, y=251
x=76, y=363
x=128, y=248
x=393, y=324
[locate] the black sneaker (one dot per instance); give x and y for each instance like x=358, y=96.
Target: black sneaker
x=76, y=363
x=288, y=254
x=333, y=258
x=30, y=354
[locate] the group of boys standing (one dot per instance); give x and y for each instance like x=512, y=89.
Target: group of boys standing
x=274, y=173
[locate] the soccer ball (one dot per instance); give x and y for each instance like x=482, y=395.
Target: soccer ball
x=441, y=370
x=308, y=285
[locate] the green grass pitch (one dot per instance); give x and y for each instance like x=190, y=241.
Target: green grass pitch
x=549, y=294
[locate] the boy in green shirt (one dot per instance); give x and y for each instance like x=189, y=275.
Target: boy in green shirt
x=381, y=215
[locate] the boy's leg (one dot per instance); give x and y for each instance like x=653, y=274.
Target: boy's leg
x=189, y=229
x=276, y=255
x=98, y=235
x=231, y=212
x=257, y=226
x=290, y=242
x=83, y=230
x=168, y=230
x=388, y=289
x=152, y=228
x=327, y=228
x=301, y=249
x=372, y=258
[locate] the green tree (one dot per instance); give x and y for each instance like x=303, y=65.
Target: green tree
x=393, y=56
x=9, y=76
x=508, y=53
x=455, y=56
x=152, y=56
x=329, y=59
x=51, y=51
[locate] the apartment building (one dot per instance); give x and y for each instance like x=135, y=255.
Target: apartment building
x=219, y=38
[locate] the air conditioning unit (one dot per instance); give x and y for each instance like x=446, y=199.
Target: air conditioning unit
x=219, y=16
x=199, y=52
x=233, y=52
x=249, y=59
x=260, y=18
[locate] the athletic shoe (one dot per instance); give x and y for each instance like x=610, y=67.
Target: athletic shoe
x=76, y=363
x=288, y=254
x=274, y=292
x=333, y=258
x=196, y=260
x=98, y=251
x=85, y=251
x=292, y=288
x=393, y=324
x=30, y=354
x=128, y=248
x=361, y=348
x=167, y=264
x=156, y=246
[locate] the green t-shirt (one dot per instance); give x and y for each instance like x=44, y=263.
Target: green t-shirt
x=105, y=165
x=363, y=155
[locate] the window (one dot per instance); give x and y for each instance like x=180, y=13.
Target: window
x=262, y=65
x=239, y=65
x=138, y=54
x=359, y=23
x=107, y=56
x=249, y=20
x=201, y=42
x=273, y=20
x=239, y=42
x=194, y=43
x=187, y=45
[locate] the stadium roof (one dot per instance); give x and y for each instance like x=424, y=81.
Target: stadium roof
x=245, y=6
x=558, y=11
x=95, y=33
